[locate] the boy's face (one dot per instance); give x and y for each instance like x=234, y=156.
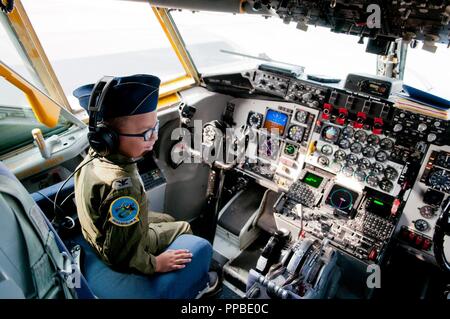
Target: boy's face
x=132, y=146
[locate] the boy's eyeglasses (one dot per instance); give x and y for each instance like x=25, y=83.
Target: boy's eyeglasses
x=147, y=135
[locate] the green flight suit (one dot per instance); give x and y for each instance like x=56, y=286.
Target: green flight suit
x=113, y=212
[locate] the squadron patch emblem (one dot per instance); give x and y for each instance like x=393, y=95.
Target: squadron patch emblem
x=124, y=211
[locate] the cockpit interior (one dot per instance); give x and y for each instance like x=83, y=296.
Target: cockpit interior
x=306, y=185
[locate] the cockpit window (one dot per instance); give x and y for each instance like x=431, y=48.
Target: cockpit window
x=17, y=119
x=11, y=53
x=319, y=50
x=428, y=71
x=85, y=40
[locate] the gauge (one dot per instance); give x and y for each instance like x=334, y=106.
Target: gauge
x=342, y=199
x=344, y=143
x=422, y=127
x=443, y=160
x=295, y=133
x=440, y=180
x=209, y=134
x=372, y=180
x=339, y=156
x=326, y=149
x=255, y=119
x=324, y=161
x=377, y=168
x=301, y=116
x=421, y=225
x=427, y=211
x=386, y=185
x=386, y=144
x=360, y=136
x=368, y=151
x=360, y=175
x=348, y=131
x=330, y=133
x=381, y=156
x=290, y=150
x=351, y=160
x=348, y=171
x=356, y=148
x=390, y=173
x=373, y=140
x=364, y=164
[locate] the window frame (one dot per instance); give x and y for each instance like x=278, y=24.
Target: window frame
x=34, y=51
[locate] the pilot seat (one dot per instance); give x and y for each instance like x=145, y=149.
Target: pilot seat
x=19, y=280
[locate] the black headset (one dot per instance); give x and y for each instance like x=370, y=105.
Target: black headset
x=103, y=140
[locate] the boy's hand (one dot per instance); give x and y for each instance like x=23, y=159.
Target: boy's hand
x=172, y=260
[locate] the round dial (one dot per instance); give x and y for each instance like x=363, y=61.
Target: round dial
x=290, y=149
x=381, y=156
x=422, y=127
x=348, y=132
x=372, y=180
x=386, y=144
x=341, y=199
x=377, y=168
x=352, y=160
x=364, y=164
x=373, y=140
x=301, y=116
x=326, y=149
x=295, y=133
x=360, y=175
x=344, y=143
x=356, y=148
x=386, y=185
x=348, y=171
x=421, y=225
x=368, y=151
x=330, y=133
x=440, y=180
x=360, y=136
x=209, y=134
x=390, y=173
x=339, y=156
x=324, y=161
x=427, y=211
x=255, y=120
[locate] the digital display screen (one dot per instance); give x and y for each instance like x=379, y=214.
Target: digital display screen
x=276, y=121
x=312, y=180
x=342, y=200
x=378, y=206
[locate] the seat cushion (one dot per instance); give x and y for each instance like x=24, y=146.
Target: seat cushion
x=185, y=283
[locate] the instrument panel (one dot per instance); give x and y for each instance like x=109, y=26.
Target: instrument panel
x=279, y=134
x=345, y=164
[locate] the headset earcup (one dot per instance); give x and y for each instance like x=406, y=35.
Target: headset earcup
x=104, y=141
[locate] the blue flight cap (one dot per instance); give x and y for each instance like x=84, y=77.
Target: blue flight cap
x=131, y=95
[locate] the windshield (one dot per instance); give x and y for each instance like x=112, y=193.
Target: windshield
x=85, y=40
x=320, y=51
x=428, y=71
x=17, y=120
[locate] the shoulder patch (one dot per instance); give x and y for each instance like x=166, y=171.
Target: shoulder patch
x=122, y=183
x=124, y=211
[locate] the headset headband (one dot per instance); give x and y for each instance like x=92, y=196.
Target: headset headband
x=95, y=105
